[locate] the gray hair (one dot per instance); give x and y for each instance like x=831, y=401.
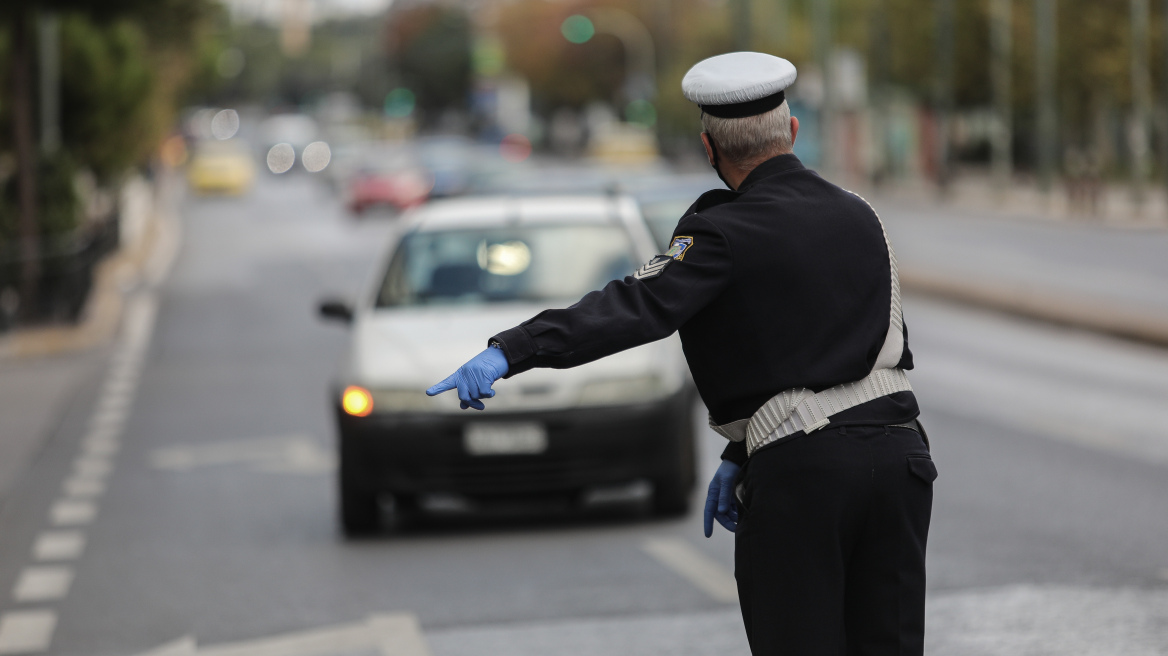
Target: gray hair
x=750, y=141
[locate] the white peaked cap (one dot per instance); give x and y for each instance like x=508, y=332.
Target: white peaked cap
x=737, y=77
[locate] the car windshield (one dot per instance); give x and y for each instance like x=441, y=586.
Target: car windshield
x=521, y=263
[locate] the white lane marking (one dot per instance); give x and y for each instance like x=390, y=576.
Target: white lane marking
x=87, y=466
x=42, y=583
x=108, y=421
x=696, y=567
x=83, y=487
x=69, y=512
x=58, y=545
x=26, y=631
x=397, y=634
x=692, y=633
x=101, y=445
x=182, y=647
x=295, y=454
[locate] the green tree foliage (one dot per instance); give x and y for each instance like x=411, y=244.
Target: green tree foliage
x=107, y=87
x=430, y=46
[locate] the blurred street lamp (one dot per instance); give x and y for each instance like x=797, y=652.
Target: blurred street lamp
x=1046, y=40
x=1001, y=74
x=944, y=87
x=822, y=35
x=1141, y=96
x=50, y=79
x=741, y=24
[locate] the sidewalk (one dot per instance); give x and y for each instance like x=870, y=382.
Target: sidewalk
x=42, y=368
x=1105, y=275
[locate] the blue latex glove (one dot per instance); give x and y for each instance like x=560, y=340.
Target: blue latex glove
x=474, y=379
x=720, y=502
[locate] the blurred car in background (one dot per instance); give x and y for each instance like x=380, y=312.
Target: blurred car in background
x=664, y=199
x=391, y=178
x=224, y=167
x=464, y=270
x=451, y=162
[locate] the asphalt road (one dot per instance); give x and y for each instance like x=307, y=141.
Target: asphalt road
x=185, y=503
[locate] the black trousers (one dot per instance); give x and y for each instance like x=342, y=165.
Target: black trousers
x=830, y=547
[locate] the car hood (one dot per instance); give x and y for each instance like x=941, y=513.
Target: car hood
x=414, y=348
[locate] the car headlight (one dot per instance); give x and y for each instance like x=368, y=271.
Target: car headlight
x=623, y=391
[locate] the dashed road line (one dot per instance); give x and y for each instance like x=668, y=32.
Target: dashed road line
x=96, y=467
x=696, y=567
x=42, y=583
x=84, y=487
x=70, y=512
x=58, y=545
x=397, y=634
x=26, y=631
x=31, y=631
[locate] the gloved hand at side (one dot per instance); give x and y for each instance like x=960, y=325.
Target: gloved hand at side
x=720, y=502
x=474, y=379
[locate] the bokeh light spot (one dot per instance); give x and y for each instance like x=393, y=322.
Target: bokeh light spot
x=577, y=29
x=515, y=148
x=225, y=124
x=399, y=103
x=281, y=157
x=357, y=401
x=641, y=112
x=316, y=156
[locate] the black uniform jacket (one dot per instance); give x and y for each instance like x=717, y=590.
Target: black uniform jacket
x=784, y=283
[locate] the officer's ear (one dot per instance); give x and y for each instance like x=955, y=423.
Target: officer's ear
x=794, y=129
x=709, y=148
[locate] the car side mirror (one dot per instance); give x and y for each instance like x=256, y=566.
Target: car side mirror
x=336, y=310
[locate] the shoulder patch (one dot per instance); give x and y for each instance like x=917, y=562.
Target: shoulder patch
x=653, y=267
x=678, y=247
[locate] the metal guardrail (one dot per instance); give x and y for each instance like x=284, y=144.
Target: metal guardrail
x=66, y=274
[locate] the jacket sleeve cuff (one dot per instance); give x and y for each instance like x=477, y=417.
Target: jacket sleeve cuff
x=735, y=452
x=519, y=349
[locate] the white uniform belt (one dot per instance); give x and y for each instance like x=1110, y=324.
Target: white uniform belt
x=801, y=409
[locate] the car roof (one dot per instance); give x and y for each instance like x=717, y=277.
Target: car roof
x=498, y=211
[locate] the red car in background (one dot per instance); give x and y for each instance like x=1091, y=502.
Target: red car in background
x=390, y=180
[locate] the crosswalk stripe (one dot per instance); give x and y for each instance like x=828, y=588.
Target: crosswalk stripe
x=42, y=583
x=58, y=545
x=26, y=632
x=69, y=512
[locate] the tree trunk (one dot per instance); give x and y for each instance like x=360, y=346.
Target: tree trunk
x=26, y=163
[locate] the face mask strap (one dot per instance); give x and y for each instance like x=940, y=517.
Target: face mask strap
x=714, y=159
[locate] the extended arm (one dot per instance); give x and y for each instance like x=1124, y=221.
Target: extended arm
x=647, y=306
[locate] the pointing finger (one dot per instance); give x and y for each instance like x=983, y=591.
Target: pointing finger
x=445, y=385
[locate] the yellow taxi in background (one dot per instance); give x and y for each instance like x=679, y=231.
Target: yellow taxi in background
x=221, y=167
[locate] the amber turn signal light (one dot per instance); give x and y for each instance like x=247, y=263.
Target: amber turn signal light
x=357, y=401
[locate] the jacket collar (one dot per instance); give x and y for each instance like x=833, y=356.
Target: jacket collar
x=771, y=167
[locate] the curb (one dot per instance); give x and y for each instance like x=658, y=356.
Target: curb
x=145, y=263
x=1080, y=311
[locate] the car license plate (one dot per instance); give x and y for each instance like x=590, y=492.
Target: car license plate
x=489, y=439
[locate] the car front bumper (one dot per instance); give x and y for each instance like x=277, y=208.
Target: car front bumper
x=586, y=448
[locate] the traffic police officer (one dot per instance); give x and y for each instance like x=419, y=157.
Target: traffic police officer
x=784, y=289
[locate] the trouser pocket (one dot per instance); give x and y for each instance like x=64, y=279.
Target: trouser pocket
x=922, y=466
